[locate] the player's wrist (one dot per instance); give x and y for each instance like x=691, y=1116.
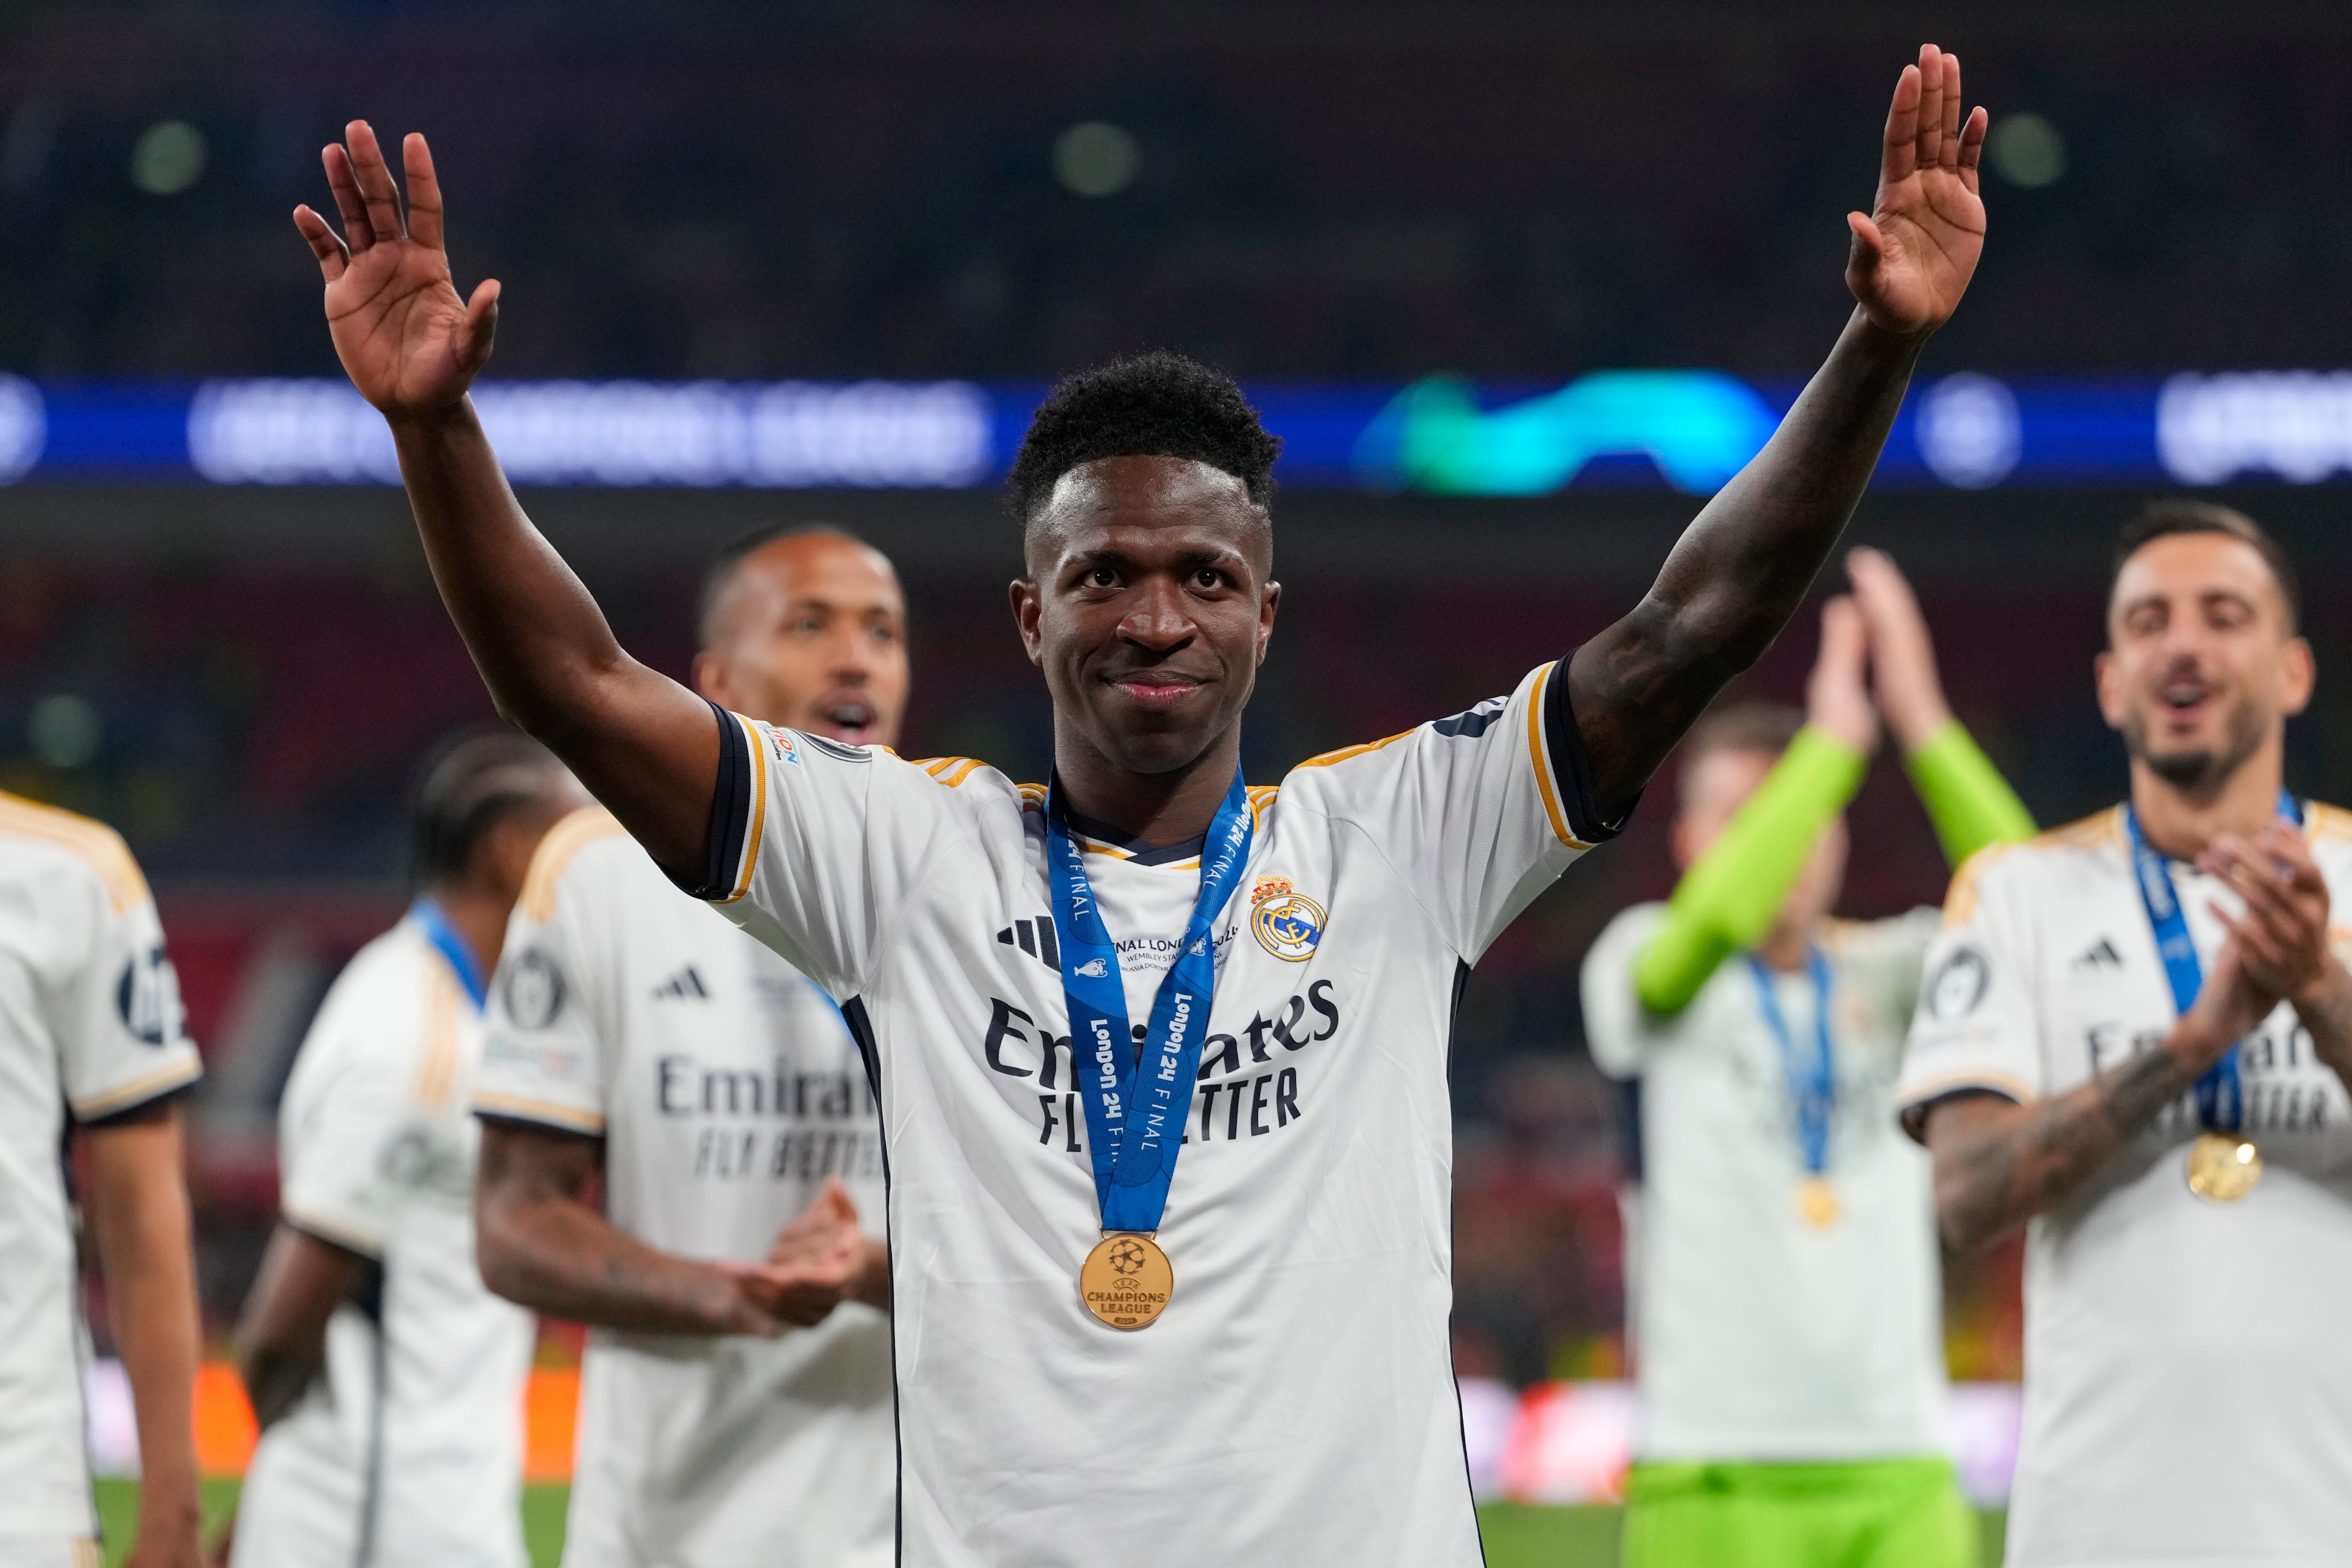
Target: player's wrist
x=1921, y=720
x=433, y=421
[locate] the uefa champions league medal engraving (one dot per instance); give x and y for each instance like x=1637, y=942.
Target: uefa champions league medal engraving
x=1126, y=1281
x=2223, y=1167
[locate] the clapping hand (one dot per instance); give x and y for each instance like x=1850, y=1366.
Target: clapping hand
x=1903, y=674
x=1837, y=701
x=819, y=1260
x=1914, y=254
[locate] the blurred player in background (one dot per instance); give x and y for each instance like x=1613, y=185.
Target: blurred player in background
x=91, y=1042
x=1788, y=1318
x=387, y=1380
x=1265, y=1376
x=2135, y=1033
x=730, y=1416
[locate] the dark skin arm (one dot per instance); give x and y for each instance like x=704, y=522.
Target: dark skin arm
x=1739, y=572
x=539, y=1244
x=1999, y=1164
x=645, y=746
x=281, y=1338
x=135, y=1204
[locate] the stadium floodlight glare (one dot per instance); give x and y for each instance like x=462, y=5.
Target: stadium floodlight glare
x=898, y=434
x=23, y=427
x=1698, y=426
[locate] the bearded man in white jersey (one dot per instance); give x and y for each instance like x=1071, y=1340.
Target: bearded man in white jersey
x=735, y=1406
x=387, y=1379
x=1062, y=990
x=2134, y=1038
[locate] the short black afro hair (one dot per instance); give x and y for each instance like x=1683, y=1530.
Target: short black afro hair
x=1153, y=405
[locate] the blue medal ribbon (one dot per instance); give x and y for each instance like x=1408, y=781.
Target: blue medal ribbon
x=1137, y=1099
x=1812, y=1086
x=443, y=936
x=2220, y=1091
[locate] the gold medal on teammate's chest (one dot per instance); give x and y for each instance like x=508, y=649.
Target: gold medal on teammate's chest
x=2222, y=1167
x=1125, y=1281
x=1817, y=1203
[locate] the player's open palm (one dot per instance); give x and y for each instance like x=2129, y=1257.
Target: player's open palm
x=406, y=339
x=1914, y=254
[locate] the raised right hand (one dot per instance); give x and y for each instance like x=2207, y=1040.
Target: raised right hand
x=1837, y=702
x=407, y=341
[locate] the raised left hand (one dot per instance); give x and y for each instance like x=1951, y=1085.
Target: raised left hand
x=1914, y=255
x=2285, y=928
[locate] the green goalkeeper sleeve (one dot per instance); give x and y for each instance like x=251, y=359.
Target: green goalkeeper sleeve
x=1727, y=902
x=1967, y=799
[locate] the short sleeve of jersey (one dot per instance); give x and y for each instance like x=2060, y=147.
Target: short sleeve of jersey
x=1618, y=1030
x=122, y=1034
x=349, y=1113
x=814, y=844
x=1478, y=813
x=549, y=1023
x=1975, y=1027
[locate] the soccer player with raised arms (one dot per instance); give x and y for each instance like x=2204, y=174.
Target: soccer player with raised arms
x=2134, y=1038
x=736, y=1405
x=1787, y=1314
x=1137, y=1322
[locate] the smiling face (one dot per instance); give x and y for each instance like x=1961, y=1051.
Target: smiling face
x=810, y=632
x=2202, y=665
x=1147, y=606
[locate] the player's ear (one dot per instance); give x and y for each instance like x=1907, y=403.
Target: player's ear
x=1028, y=613
x=710, y=680
x=2109, y=686
x=1268, y=602
x=2299, y=673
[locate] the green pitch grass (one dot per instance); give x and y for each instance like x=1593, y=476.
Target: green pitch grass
x=1517, y=1536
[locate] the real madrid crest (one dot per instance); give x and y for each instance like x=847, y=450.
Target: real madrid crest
x=1286, y=923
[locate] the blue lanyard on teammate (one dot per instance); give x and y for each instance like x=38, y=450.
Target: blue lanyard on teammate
x=1812, y=1086
x=2221, y=1092
x=1137, y=1102
x=445, y=938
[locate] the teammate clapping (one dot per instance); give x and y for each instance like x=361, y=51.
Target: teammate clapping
x=716, y=1092
x=1787, y=1314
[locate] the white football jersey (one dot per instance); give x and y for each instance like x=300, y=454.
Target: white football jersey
x=1295, y=1401
x=1758, y=1334
x=407, y=1451
x=90, y=1028
x=2187, y=1375
x=726, y=1088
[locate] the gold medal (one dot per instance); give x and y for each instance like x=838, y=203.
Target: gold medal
x=1817, y=1203
x=2223, y=1167
x=1127, y=1280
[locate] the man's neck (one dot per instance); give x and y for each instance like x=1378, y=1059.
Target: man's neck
x=478, y=918
x=1158, y=809
x=2180, y=823
x=1785, y=947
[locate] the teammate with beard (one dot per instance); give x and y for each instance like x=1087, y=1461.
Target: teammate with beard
x=1102, y=1354
x=2134, y=1038
x=729, y=1414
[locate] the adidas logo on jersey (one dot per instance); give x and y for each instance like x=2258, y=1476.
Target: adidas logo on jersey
x=2102, y=952
x=685, y=984
x=1035, y=936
